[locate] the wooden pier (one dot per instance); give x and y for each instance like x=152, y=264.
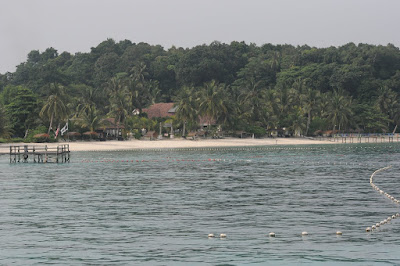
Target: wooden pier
x=39, y=154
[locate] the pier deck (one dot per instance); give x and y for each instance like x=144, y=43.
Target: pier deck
x=39, y=154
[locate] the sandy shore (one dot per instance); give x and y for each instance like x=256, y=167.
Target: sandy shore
x=172, y=143
x=181, y=143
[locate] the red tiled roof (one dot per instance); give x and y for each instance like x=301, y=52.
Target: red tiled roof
x=159, y=110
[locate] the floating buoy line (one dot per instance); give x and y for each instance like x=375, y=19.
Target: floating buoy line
x=261, y=148
x=380, y=191
x=257, y=157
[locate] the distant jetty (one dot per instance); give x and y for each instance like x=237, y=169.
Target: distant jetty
x=39, y=154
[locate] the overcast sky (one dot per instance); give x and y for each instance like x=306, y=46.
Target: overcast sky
x=78, y=25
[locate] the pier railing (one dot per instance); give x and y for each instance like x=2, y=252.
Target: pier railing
x=39, y=154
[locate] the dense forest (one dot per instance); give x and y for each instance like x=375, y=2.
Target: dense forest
x=239, y=86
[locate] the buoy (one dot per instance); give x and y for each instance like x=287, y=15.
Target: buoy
x=389, y=219
x=211, y=235
x=397, y=214
x=373, y=227
x=272, y=234
x=378, y=224
x=368, y=229
x=222, y=235
x=393, y=216
x=339, y=233
x=304, y=233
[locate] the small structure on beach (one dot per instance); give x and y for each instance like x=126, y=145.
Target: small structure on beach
x=110, y=129
x=150, y=135
x=39, y=154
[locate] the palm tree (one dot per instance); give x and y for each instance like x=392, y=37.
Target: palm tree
x=86, y=101
x=213, y=102
x=252, y=101
x=90, y=119
x=54, y=108
x=119, y=100
x=298, y=121
x=186, y=106
x=309, y=101
x=387, y=102
x=340, y=110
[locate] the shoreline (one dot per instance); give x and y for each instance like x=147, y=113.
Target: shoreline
x=179, y=143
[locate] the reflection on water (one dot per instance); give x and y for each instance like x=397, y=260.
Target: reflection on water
x=158, y=207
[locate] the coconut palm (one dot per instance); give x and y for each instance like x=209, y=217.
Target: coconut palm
x=309, y=101
x=90, y=118
x=252, y=101
x=54, y=107
x=387, y=102
x=340, y=110
x=298, y=121
x=186, y=110
x=213, y=102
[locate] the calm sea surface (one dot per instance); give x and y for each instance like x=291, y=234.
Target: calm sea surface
x=157, y=208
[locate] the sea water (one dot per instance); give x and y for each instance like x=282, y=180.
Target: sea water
x=158, y=207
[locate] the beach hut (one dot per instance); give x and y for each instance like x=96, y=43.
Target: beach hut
x=192, y=135
x=150, y=135
x=73, y=135
x=91, y=134
x=110, y=129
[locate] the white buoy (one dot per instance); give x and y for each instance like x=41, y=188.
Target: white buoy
x=304, y=233
x=211, y=235
x=373, y=227
x=385, y=221
x=382, y=222
x=393, y=216
x=397, y=214
x=222, y=235
x=378, y=224
x=339, y=233
x=389, y=219
x=272, y=234
x=368, y=229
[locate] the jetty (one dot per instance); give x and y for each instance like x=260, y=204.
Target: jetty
x=39, y=154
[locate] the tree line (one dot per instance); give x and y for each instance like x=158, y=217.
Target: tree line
x=239, y=86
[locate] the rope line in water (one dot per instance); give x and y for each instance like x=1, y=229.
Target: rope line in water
x=251, y=148
x=393, y=199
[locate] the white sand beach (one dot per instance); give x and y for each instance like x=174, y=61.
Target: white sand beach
x=171, y=143
x=185, y=143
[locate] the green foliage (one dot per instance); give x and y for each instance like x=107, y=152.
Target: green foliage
x=5, y=130
x=303, y=88
x=20, y=105
x=257, y=131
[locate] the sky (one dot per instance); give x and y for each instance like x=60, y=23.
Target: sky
x=78, y=25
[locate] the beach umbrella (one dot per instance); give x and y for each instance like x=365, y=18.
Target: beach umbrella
x=42, y=135
x=90, y=133
x=73, y=134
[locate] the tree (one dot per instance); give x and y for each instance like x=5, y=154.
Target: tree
x=213, y=102
x=54, y=107
x=309, y=100
x=340, y=110
x=5, y=130
x=20, y=105
x=186, y=106
x=90, y=118
x=387, y=103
